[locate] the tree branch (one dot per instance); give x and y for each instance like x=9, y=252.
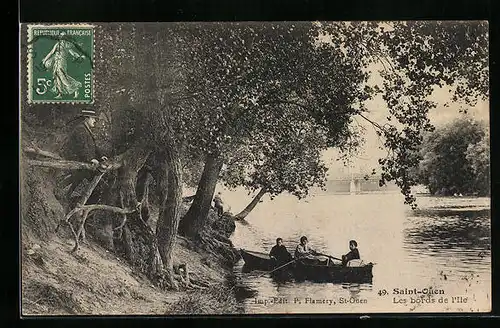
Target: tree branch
x=375, y=124
x=124, y=218
x=37, y=151
x=379, y=55
x=290, y=102
x=79, y=204
x=103, y=207
x=86, y=211
x=55, y=161
x=62, y=164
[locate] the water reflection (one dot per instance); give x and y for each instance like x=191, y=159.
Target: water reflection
x=445, y=244
x=435, y=229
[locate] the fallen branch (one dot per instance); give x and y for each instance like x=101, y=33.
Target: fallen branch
x=109, y=208
x=62, y=164
x=44, y=153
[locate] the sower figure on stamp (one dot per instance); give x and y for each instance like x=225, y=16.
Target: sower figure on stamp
x=56, y=60
x=81, y=146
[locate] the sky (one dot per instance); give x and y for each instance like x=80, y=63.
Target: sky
x=371, y=152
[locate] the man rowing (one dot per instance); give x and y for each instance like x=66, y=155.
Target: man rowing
x=280, y=253
x=306, y=254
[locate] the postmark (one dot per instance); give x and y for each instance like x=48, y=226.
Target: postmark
x=61, y=63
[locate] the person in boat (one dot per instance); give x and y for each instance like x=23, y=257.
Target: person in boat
x=279, y=252
x=304, y=253
x=353, y=253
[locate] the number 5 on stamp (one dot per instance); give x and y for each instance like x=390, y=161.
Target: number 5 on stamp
x=61, y=64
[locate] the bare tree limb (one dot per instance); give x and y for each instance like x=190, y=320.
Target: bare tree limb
x=86, y=211
x=88, y=208
x=80, y=230
x=375, y=124
x=88, y=192
x=109, y=208
x=81, y=202
x=124, y=218
x=55, y=161
x=71, y=165
x=62, y=164
x=37, y=151
x=122, y=225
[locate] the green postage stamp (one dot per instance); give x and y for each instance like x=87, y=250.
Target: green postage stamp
x=60, y=64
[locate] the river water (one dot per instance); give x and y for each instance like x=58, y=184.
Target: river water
x=444, y=245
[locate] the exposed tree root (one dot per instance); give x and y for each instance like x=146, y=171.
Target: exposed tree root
x=83, y=211
x=218, y=246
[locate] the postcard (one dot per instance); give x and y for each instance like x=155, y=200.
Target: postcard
x=255, y=168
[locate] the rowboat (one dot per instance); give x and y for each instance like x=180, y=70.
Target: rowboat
x=258, y=261
x=325, y=271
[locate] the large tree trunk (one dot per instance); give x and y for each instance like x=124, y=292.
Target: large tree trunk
x=142, y=190
x=243, y=214
x=136, y=239
x=168, y=219
x=195, y=219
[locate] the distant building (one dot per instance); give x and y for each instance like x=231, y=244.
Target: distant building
x=358, y=185
x=420, y=189
x=355, y=178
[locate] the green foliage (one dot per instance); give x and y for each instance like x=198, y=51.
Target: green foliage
x=455, y=159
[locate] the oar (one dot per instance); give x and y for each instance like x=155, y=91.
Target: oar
x=282, y=266
x=332, y=257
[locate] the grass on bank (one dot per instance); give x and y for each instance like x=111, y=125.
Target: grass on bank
x=218, y=299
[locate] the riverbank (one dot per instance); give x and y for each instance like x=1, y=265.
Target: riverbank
x=95, y=281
